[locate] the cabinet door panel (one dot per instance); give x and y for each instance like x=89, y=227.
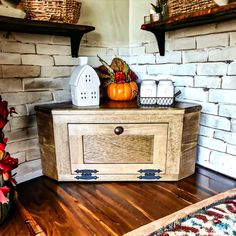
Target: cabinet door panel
x=99, y=147
x=120, y=149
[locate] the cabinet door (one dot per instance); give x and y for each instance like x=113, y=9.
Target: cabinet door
x=105, y=152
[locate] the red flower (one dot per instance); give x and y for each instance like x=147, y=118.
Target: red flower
x=2, y=146
x=4, y=112
x=3, y=193
x=2, y=122
x=3, y=109
x=6, y=165
x=120, y=76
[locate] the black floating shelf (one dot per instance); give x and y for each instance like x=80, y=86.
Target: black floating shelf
x=208, y=16
x=75, y=32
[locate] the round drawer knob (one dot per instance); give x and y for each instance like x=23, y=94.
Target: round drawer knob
x=118, y=130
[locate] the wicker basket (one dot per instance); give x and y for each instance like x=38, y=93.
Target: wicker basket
x=178, y=7
x=63, y=11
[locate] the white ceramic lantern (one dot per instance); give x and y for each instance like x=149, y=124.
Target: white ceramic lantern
x=84, y=83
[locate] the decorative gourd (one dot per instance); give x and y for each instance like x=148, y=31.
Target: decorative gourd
x=122, y=91
x=118, y=79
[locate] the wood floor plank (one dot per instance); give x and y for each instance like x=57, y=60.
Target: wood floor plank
x=107, y=209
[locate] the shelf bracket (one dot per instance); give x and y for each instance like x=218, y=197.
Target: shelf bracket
x=160, y=37
x=75, y=39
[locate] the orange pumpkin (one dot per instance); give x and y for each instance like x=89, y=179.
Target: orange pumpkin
x=122, y=91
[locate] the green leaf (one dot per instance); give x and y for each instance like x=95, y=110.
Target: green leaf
x=109, y=69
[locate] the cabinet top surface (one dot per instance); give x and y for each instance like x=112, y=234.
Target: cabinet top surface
x=114, y=106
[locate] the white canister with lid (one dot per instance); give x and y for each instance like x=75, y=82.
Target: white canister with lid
x=165, y=89
x=148, y=92
x=165, y=93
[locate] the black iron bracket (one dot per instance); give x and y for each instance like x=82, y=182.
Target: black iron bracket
x=149, y=174
x=86, y=174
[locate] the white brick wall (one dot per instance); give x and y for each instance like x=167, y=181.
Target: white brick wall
x=29, y=97
x=194, y=56
x=182, y=44
x=22, y=122
x=34, y=69
x=16, y=85
x=226, y=26
x=21, y=146
x=67, y=60
x=146, y=59
x=207, y=81
x=40, y=60
x=36, y=84
x=10, y=58
x=229, y=82
x=192, y=31
x=183, y=69
x=210, y=108
x=212, y=69
x=56, y=71
x=233, y=125
x=212, y=40
x=227, y=110
x=16, y=47
x=223, y=54
x=196, y=94
x=228, y=137
x=233, y=39
x=182, y=81
x=215, y=122
x=91, y=51
x=206, y=75
x=222, y=162
x=203, y=155
x=170, y=57
x=222, y=96
x=62, y=96
x=28, y=170
x=20, y=71
x=137, y=50
x=212, y=143
x=159, y=69
x=232, y=68
x=231, y=149
x=151, y=47
x=53, y=49
x=22, y=134
x=206, y=131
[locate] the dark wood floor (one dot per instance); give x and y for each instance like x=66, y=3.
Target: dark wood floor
x=84, y=209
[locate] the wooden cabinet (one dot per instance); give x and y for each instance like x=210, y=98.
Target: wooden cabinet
x=112, y=143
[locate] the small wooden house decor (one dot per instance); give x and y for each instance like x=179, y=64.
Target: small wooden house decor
x=84, y=83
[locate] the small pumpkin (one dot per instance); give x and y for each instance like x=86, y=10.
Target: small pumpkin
x=122, y=91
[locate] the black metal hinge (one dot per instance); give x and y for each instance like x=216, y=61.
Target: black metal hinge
x=149, y=174
x=86, y=174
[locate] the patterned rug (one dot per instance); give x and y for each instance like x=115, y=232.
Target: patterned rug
x=215, y=216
